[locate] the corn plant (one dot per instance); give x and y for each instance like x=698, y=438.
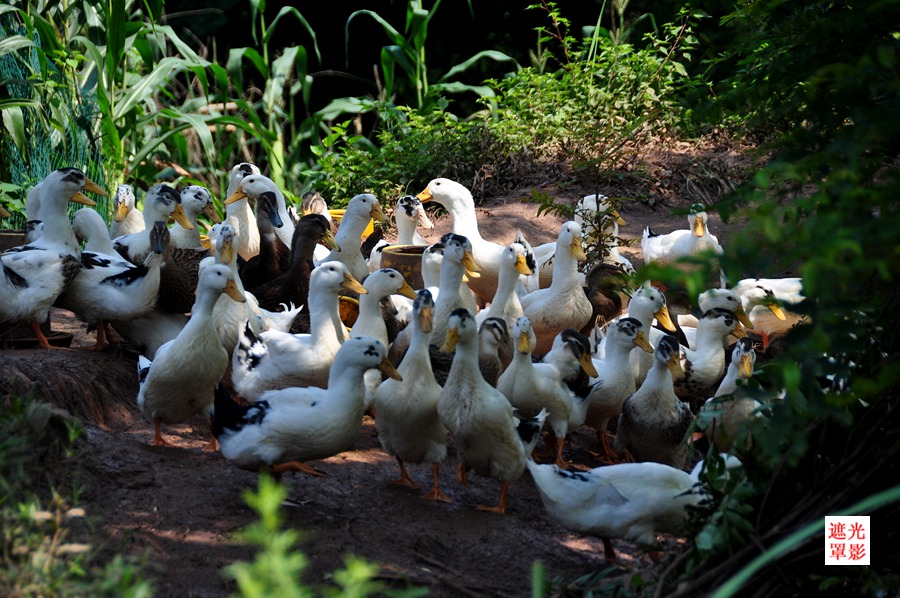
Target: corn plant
x=407, y=50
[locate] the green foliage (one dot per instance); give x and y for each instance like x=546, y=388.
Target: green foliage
x=41, y=547
x=279, y=566
x=407, y=50
x=825, y=205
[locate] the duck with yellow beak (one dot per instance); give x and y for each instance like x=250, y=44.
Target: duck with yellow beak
x=179, y=383
x=33, y=275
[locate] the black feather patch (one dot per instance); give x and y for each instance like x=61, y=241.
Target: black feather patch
x=91, y=260
x=15, y=279
x=228, y=415
x=528, y=429
x=572, y=475
x=129, y=276
x=142, y=374
x=250, y=349
x=650, y=233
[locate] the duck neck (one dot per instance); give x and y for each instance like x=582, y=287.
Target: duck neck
x=565, y=266
x=466, y=358
x=659, y=381
x=406, y=231
x=463, y=219
x=506, y=288
x=729, y=382
x=324, y=316
x=58, y=231
x=417, y=356
x=350, y=231
x=347, y=379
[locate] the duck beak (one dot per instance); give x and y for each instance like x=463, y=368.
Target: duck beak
x=407, y=291
x=522, y=266
x=587, y=364
x=577, y=251
x=93, y=187
x=674, y=365
x=423, y=220
x=472, y=267
x=120, y=212
x=640, y=340
x=226, y=254
x=524, y=343
x=739, y=332
x=377, y=214
x=351, y=284
x=232, y=291
x=388, y=368
x=451, y=340
x=425, y=196
x=181, y=218
x=664, y=320
x=83, y=199
x=237, y=196
x=742, y=317
x=425, y=319
x=777, y=311
x=330, y=242
x=699, y=229
x=204, y=242
x=617, y=218
x=745, y=366
x=211, y=213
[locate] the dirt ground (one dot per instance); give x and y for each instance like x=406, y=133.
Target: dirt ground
x=179, y=508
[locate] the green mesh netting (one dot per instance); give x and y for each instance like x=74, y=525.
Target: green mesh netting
x=46, y=147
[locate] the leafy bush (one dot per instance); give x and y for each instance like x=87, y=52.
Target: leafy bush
x=41, y=552
x=279, y=566
x=534, y=123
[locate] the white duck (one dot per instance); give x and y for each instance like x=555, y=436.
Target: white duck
x=727, y=299
x=33, y=275
x=179, y=383
x=230, y=316
x=127, y=219
x=530, y=387
x=239, y=215
x=614, y=380
x=645, y=304
x=681, y=243
x=292, y=425
x=408, y=425
x=276, y=359
x=195, y=200
x=723, y=415
x=487, y=434
x=408, y=215
x=506, y=304
x=453, y=294
x=255, y=185
x=654, y=420
x=370, y=322
x=704, y=366
x=763, y=298
x=590, y=208
x=360, y=210
x=632, y=501
x=564, y=303
x=457, y=200
x=108, y=287
x=161, y=202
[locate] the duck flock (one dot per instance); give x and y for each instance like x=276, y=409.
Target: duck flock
x=286, y=333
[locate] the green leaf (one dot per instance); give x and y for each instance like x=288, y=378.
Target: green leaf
x=14, y=123
x=14, y=43
x=115, y=39
x=465, y=65
x=289, y=10
x=235, y=65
